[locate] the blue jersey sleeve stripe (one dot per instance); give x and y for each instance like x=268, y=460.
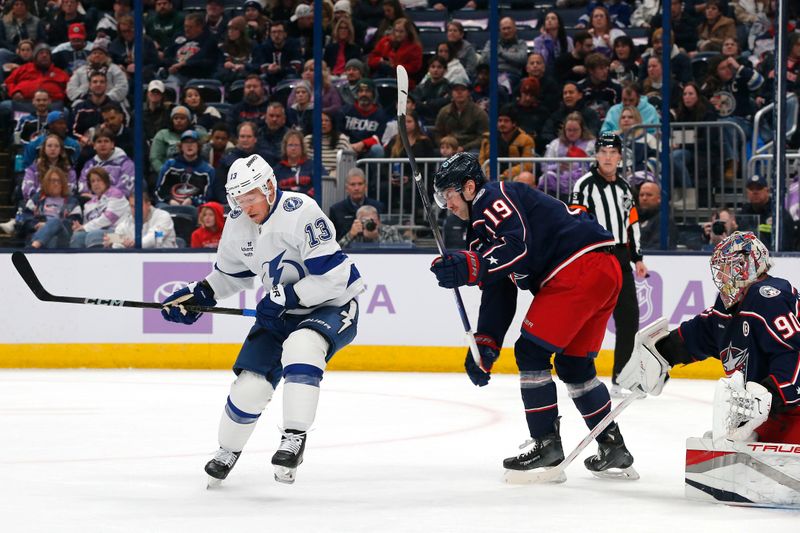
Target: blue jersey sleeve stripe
x=243, y=274
x=320, y=265
x=354, y=275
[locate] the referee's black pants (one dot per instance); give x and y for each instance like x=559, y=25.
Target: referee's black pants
x=626, y=313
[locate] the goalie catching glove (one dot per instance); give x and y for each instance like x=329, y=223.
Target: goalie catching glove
x=739, y=408
x=197, y=293
x=489, y=351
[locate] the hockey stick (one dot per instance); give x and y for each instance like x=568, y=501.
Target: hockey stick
x=552, y=474
x=25, y=270
x=402, y=98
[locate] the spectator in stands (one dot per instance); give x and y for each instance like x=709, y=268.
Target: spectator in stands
x=19, y=24
x=301, y=29
x=401, y=180
x=74, y=53
x=203, y=116
x=158, y=230
x=344, y=9
x=106, y=25
x=553, y=40
x=254, y=102
x=680, y=65
x=56, y=124
x=68, y=13
x=549, y=88
x=343, y=213
x=571, y=102
x=155, y=113
x=342, y=47
x=210, y=223
x=462, y=118
x=237, y=51
x=99, y=62
x=100, y=215
x=602, y=30
x=121, y=50
x=367, y=228
x=793, y=64
x=300, y=114
x=24, y=81
x=354, y=70
x=111, y=158
x=683, y=27
x=31, y=126
x=716, y=233
x=693, y=107
x=246, y=145
x=715, y=28
x=624, y=66
x=257, y=21
x=218, y=145
x=731, y=88
x=630, y=97
x=331, y=101
x=295, y=169
x=51, y=154
x=651, y=85
x=433, y=92
x=747, y=12
x=640, y=148
x=364, y=122
x=512, y=53
x=216, y=19
x=164, y=25
x=369, y=11
x=187, y=179
x=272, y=131
x=332, y=141
x=574, y=140
x=760, y=205
x=617, y=11
x=44, y=219
x=194, y=54
x=530, y=114
x=455, y=70
x=11, y=61
x=165, y=143
x=511, y=141
x=650, y=218
x=86, y=112
x=461, y=48
x=448, y=145
x=481, y=89
x=570, y=67
x=527, y=178
x=392, y=11
x=600, y=92
x=402, y=47
x=114, y=121
x=278, y=57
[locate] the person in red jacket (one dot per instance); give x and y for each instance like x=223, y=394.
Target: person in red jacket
x=39, y=74
x=401, y=47
x=211, y=220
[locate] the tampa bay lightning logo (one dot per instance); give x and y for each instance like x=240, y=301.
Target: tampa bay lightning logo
x=290, y=204
x=733, y=359
x=235, y=213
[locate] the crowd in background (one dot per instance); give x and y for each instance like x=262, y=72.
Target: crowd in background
x=228, y=79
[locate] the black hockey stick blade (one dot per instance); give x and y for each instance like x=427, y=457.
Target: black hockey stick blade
x=25, y=270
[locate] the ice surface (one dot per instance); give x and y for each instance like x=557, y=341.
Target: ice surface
x=123, y=450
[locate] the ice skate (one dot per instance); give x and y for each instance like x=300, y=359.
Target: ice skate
x=289, y=455
x=543, y=453
x=613, y=460
x=220, y=466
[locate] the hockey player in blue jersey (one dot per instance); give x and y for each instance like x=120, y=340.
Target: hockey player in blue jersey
x=752, y=328
x=520, y=238
x=308, y=313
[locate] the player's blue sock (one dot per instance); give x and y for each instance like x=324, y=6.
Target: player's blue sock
x=592, y=400
x=540, y=401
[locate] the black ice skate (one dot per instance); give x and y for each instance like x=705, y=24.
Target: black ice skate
x=220, y=466
x=613, y=460
x=545, y=452
x=289, y=455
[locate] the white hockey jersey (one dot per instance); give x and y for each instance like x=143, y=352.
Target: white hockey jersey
x=296, y=245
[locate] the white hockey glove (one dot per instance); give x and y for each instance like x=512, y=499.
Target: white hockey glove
x=739, y=408
x=647, y=370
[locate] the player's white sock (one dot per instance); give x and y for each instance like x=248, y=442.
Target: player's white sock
x=248, y=398
x=299, y=405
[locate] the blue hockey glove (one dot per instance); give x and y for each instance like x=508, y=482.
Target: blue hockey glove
x=277, y=300
x=489, y=353
x=196, y=293
x=457, y=269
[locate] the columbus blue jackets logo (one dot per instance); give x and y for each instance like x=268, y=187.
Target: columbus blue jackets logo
x=733, y=359
x=768, y=292
x=290, y=204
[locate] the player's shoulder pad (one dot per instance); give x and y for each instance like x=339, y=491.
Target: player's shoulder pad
x=488, y=193
x=772, y=294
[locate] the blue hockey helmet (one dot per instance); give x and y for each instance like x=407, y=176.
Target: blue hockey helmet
x=454, y=173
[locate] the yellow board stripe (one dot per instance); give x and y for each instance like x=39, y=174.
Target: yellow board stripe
x=222, y=356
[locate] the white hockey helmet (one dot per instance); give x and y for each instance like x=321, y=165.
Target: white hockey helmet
x=248, y=173
x=737, y=262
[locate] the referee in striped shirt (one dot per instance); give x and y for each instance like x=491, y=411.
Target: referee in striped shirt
x=605, y=194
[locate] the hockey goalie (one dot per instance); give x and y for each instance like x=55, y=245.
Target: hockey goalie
x=752, y=454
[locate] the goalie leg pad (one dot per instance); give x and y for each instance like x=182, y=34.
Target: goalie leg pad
x=647, y=370
x=304, y=362
x=248, y=397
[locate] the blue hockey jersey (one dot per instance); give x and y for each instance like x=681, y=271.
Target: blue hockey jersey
x=759, y=336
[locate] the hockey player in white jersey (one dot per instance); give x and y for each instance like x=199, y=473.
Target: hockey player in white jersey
x=308, y=312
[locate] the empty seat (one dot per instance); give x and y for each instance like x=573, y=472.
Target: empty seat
x=210, y=89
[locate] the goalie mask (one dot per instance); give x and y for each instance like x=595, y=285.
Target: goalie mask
x=247, y=174
x=454, y=173
x=737, y=262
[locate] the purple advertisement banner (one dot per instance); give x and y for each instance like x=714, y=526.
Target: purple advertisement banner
x=159, y=280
